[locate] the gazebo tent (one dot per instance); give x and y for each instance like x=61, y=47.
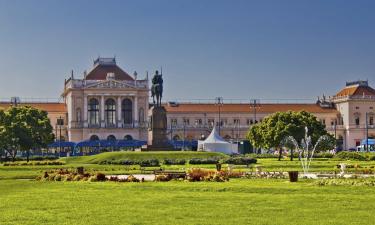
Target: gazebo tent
x=215, y=143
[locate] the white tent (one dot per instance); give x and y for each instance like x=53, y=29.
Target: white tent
x=215, y=143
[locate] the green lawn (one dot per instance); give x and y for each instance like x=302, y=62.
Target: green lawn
x=122, y=155
x=90, y=164
x=238, y=201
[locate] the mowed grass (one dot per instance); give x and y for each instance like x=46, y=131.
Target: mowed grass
x=239, y=201
x=160, y=155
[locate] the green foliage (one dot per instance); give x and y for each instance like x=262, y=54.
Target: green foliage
x=261, y=156
x=110, y=157
x=34, y=163
x=273, y=129
x=240, y=160
x=204, y=161
x=174, y=162
x=149, y=162
x=24, y=128
x=350, y=156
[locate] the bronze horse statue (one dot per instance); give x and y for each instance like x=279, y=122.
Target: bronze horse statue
x=157, y=88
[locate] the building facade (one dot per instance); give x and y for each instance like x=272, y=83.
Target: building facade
x=344, y=116
x=108, y=103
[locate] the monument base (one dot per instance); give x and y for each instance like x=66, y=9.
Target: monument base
x=157, y=134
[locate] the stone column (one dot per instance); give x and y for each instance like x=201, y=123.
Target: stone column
x=85, y=122
x=102, y=120
x=136, y=110
x=118, y=108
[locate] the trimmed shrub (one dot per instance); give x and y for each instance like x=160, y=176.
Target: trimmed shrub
x=34, y=163
x=262, y=156
x=149, y=163
x=240, y=160
x=350, y=156
x=174, y=162
x=203, y=161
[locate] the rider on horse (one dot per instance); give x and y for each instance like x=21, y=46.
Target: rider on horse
x=157, y=88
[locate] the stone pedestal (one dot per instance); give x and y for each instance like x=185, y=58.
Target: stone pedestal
x=157, y=133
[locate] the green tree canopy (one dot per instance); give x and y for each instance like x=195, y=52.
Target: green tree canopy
x=273, y=129
x=24, y=128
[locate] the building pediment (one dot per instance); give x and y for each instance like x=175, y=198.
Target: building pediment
x=111, y=84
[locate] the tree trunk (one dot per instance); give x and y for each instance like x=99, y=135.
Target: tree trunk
x=291, y=154
x=280, y=153
x=27, y=155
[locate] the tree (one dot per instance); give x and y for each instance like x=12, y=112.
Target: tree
x=271, y=132
x=24, y=128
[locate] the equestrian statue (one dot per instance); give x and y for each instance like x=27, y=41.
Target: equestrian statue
x=157, y=89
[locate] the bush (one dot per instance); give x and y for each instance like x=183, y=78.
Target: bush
x=162, y=178
x=262, y=156
x=203, y=161
x=197, y=174
x=174, y=162
x=323, y=155
x=35, y=163
x=350, y=156
x=149, y=162
x=240, y=160
x=100, y=177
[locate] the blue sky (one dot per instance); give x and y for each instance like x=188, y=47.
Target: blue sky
x=234, y=49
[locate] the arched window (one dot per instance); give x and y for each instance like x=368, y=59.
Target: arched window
x=110, y=112
x=128, y=137
x=111, y=138
x=127, y=111
x=94, y=138
x=93, y=111
x=141, y=115
x=78, y=115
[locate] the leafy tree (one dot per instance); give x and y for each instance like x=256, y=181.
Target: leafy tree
x=273, y=130
x=24, y=128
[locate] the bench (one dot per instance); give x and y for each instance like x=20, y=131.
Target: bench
x=148, y=170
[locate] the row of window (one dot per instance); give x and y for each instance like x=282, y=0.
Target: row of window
x=110, y=138
x=369, y=122
x=211, y=122
x=110, y=112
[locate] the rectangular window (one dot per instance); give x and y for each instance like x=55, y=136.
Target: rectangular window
x=236, y=121
x=198, y=122
x=357, y=121
x=174, y=122
x=249, y=122
x=60, y=122
x=371, y=121
x=186, y=121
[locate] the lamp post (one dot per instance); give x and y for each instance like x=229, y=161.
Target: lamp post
x=254, y=104
x=366, y=132
x=219, y=103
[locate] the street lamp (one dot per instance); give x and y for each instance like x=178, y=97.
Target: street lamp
x=254, y=104
x=219, y=103
x=60, y=123
x=366, y=126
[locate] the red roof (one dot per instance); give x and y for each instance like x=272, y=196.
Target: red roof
x=356, y=90
x=100, y=73
x=245, y=108
x=48, y=107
